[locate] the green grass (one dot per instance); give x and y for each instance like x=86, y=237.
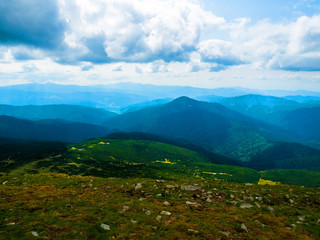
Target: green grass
x=59, y=206
x=143, y=159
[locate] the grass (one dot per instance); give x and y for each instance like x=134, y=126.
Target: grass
x=59, y=206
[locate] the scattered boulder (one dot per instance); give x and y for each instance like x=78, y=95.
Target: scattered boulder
x=170, y=186
x=35, y=233
x=148, y=212
x=231, y=196
x=193, y=231
x=167, y=203
x=245, y=205
x=248, y=184
x=125, y=208
x=209, y=200
x=244, y=227
x=192, y=204
x=271, y=209
x=226, y=233
x=105, y=227
x=138, y=186
x=158, y=218
x=302, y=218
x=166, y=213
x=189, y=188
x=160, y=181
x=5, y=182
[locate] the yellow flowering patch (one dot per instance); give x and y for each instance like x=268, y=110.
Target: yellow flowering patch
x=213, y=173
x=75, y=164
x=91, y=146
x=267, y=182
x=167, y=161
x=73, y=148
x=102, y=143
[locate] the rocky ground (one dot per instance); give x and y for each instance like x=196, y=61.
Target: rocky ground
x=58, y=206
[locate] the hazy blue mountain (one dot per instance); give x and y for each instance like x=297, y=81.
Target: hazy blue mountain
x=305, y=121
x=209, y=124
x=48, y=130
x=138, y=106
x=64, y=112
x=112, y=101
x=304, y=99
x=259, y=106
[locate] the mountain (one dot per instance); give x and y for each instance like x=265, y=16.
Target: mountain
x=209, y=124
x=256, y=106
x=153, y=103
x=65, y=112
x=305, y=121
x=112, y=101
x=48, y=130
x=286, y=156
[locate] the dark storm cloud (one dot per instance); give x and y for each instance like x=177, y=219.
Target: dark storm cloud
x=31, y=22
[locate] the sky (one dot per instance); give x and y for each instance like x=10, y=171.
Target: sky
x=202, y=43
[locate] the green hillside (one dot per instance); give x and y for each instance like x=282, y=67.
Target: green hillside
x=132, y=158
x=137, y=158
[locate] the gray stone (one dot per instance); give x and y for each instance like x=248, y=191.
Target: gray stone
x=105, y=227
x=138, y=186
x=166, y=213
x=244, y=227
x=35, y=234
x=167, y=203
x=193, y=231
x=158, y=218
x=189, y=188
x=226, y=233
x=245, y=205
x=192, y=203
x=302, y=218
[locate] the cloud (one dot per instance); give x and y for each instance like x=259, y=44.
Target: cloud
x=136, y=31
x=220, y=52
x=294, y=46
x=87, y=67
x=31, y=22
x=117, y=69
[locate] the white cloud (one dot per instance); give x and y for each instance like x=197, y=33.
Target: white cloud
x=137, y=31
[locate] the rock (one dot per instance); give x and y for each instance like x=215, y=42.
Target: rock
x=245, y=205
x=159, y=181
x=170, y=186
x=234, y=202
x=11, y=224
x=5, y=182
x=167, y=203
x=148, y=212
x=291, y=201
x=244, y=227
x=35, y=234
x=193, y=231
x=231, y=196
x=166, y=213
x=189, y=188
x=194, y=204
x=271, y=209
x=248, y=184
x=302, y=218
x=257, y=204
x=259, y=223
x=138, y=186
x=318, y=221
x=134, y=221
x=226, y=233
x=209, y=200
x=158, y=218
x=159, y=195
x=141, y=199
x=125, y=208
x=105, y=227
